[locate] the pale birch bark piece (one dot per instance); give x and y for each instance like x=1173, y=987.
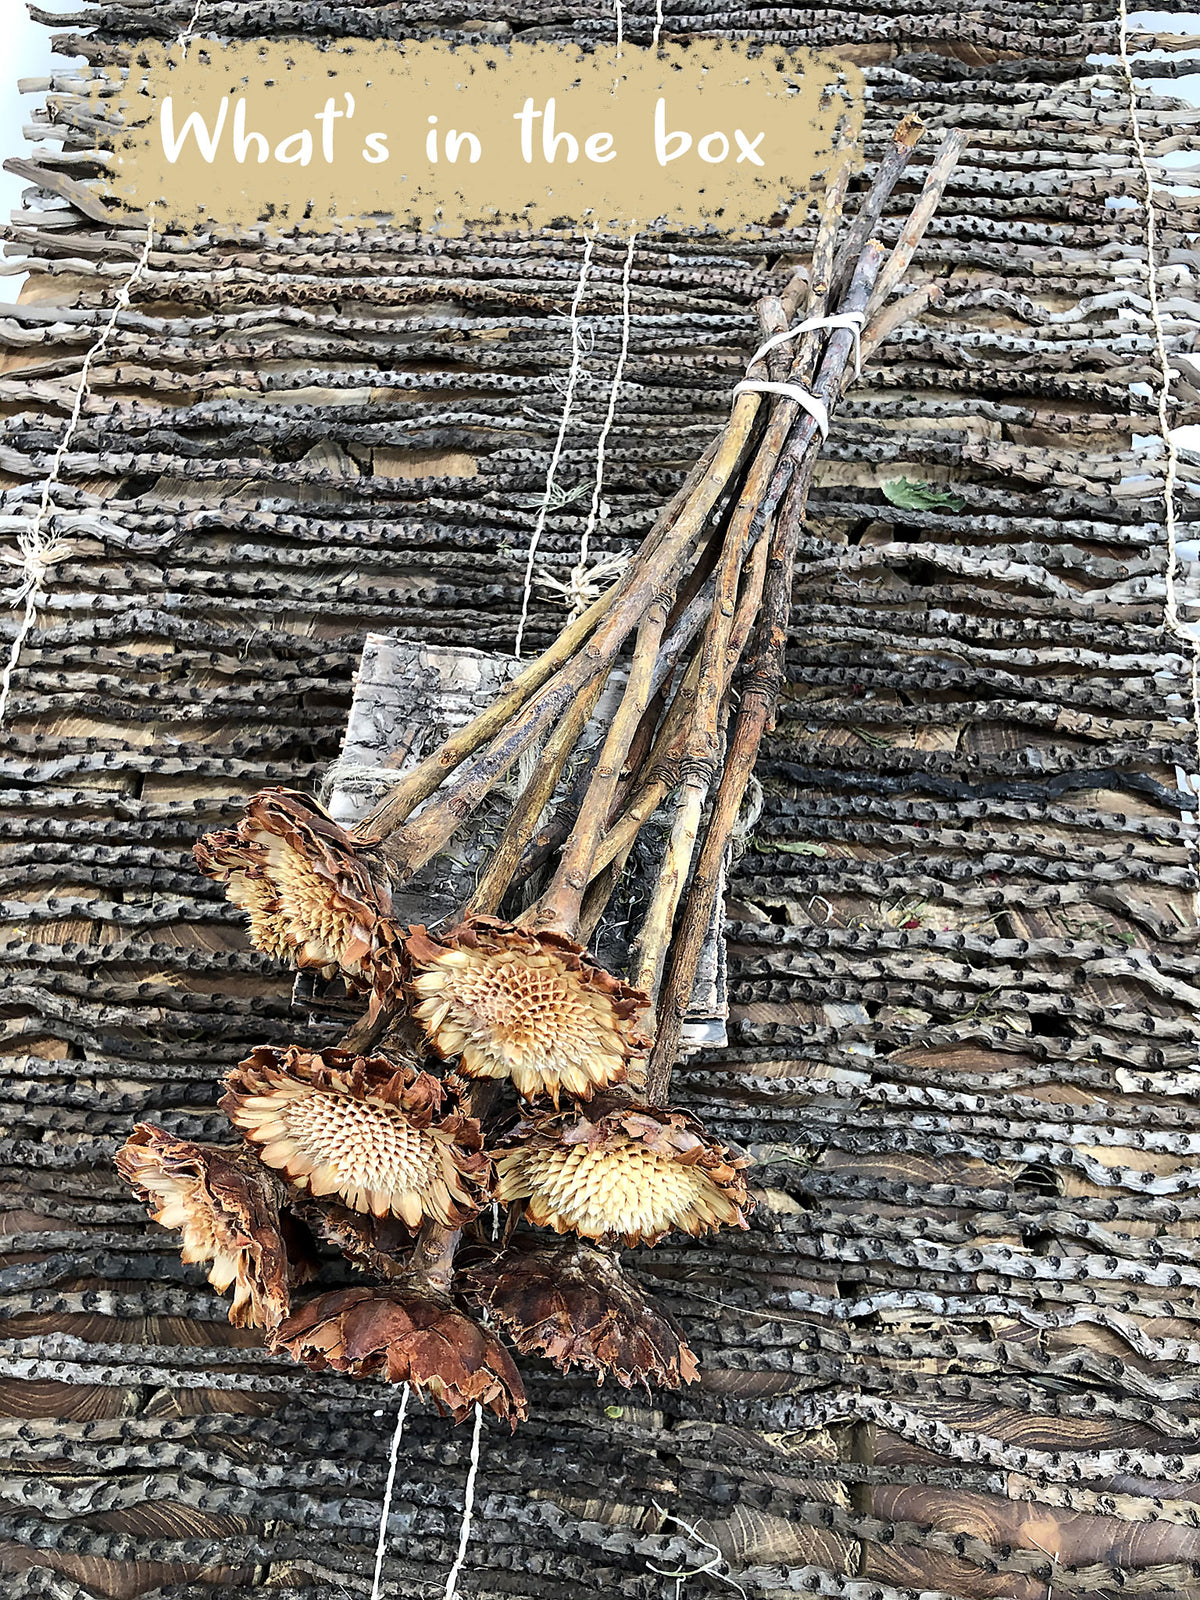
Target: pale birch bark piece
x=408, y=697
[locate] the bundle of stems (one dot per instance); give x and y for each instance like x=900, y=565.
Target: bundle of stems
x=695, y=630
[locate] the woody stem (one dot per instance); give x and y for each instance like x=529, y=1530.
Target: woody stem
x=416, y=786
x=729, y=627
x=431, y=1263
x=559, y=907
x=535, y=797
x=414, y=843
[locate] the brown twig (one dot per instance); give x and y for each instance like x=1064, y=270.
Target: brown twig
x=662, y=772
x=498, y=874
x=866, y=219
x=553, y=835
x=559, y=907
x=416, y=786
x=725, y=640
x=430, y=1267
x=919, y=217
x=415, y=842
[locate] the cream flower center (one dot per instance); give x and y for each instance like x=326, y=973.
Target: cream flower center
x=530, y=1007
x=630, y=1189
x=369, y=1145
x=307, y=900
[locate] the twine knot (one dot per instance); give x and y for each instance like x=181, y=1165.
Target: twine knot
x=34, y=558
x=584, y=584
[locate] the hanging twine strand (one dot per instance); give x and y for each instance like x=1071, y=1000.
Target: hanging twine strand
x=389, y=1487
x=464, y=1533
x=36, y=552
x=709, y=1569
x=582, y=587
x=185, y=38
x=556, y=455
x=1172, y=622
x=619, y=9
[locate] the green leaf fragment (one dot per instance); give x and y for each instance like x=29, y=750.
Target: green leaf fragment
x=911, y=495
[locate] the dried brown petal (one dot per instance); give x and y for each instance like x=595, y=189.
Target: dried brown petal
x=407, y=1337
x=380, y=1245
x=533, y=1008
x=384, y=1137
x=633, y=1173
x=315, y=897
x=572, y=1303
x=227, y=1209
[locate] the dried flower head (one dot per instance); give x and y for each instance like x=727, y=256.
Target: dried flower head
x=383, y=1136
x=227, y=1209
x=407, y=1337
x=530, y=1007
x=625, y=1172
x=573, y=1303
x=314, y=896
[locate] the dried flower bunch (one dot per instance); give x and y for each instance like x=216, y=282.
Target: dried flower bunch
x=498, y=1064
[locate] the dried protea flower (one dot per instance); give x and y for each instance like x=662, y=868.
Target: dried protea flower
x=530, y=1007
x=407, y=1337
x=314, y=897
x=571, y=1302
x=382, y=1136
x=227, y=1209
x=623, y=1172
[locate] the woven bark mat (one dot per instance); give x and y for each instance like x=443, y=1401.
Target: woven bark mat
x=957, y=1353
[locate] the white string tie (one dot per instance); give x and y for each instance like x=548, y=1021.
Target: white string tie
x=185, y=38
x=587, y=582
x=842, y=319
x=811, y=403
x=804, y=398
x=709, y=1569
x=37, y=554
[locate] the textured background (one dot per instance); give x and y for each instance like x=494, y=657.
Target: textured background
x=958, y=1351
